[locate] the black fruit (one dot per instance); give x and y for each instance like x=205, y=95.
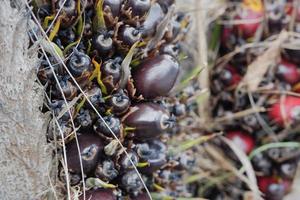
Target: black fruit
x=91, y=148
x=149, y=120
x=156, y=76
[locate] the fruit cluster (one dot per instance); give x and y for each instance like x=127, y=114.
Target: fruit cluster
x=248, y=23
x=120, y=63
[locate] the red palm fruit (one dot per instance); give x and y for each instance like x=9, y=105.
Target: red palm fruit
x=274, y=188
x=230, y=76
x=242, y=140
x=288, y=72
x=264, y=181
x=99, y=194
x=285, y=111
x=292, y=54
x=251, y=18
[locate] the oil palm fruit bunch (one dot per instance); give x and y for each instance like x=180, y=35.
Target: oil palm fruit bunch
x=119, y=61
x=268, y=137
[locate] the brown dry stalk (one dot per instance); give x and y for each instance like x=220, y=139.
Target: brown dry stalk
x=203, y=79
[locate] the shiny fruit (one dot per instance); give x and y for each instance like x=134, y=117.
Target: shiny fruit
x=129, y=35
x=131, y=182
x=108, y=124
x=288, y=72
x=274, y=188
x=91, y=147
x=106, y=170
x=79, y=63
x=288, y=169
x=112, y=67
x=229, y=76
x=285, y=111
x=114, y=5
x=243, y=140
x=139, y=7
x=156, y=76
x=154, y=16
x=251, y=22
x=154, y=153
x=149, y=120
x=103, y=43
x=262, y=164
x=119, y=102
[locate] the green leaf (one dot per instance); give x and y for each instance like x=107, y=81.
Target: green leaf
x=273, y=145
x=99, y=22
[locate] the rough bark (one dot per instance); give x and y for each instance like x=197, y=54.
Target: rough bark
x=25, y=158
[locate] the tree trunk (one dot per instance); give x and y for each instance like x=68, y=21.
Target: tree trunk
x=25, y=156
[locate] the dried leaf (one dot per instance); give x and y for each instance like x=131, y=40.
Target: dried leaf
x=160, y=30
x=126, y=66
x=257, y=69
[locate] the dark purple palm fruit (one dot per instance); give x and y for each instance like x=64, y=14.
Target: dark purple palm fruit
x=125, y=160
x=154, y=16
x=288, y=72
x=262, y=164
x=91, y=147
x=154, y=153
x=68, y=6
x=103, y=43
x=141, y=196
x=66, y=36
x=131, y=182
x=110, y=123
x=155, y=77
x=275, y=191
x=57, y=106
x=119, y=102
x=69, y=12
x=139, y=7
x=99, y=194
x=111, y=72
x=170, y=49
x=274, y=154
x=114, y=6
x=79, y=63
x=129, y=35
x=95, y=98
x=45, y=73
x=84, y=118
x=179, y=110
x=106, y=170
x=187, y=160
x=69, y=90
x=149, y=120
x=288, y=170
